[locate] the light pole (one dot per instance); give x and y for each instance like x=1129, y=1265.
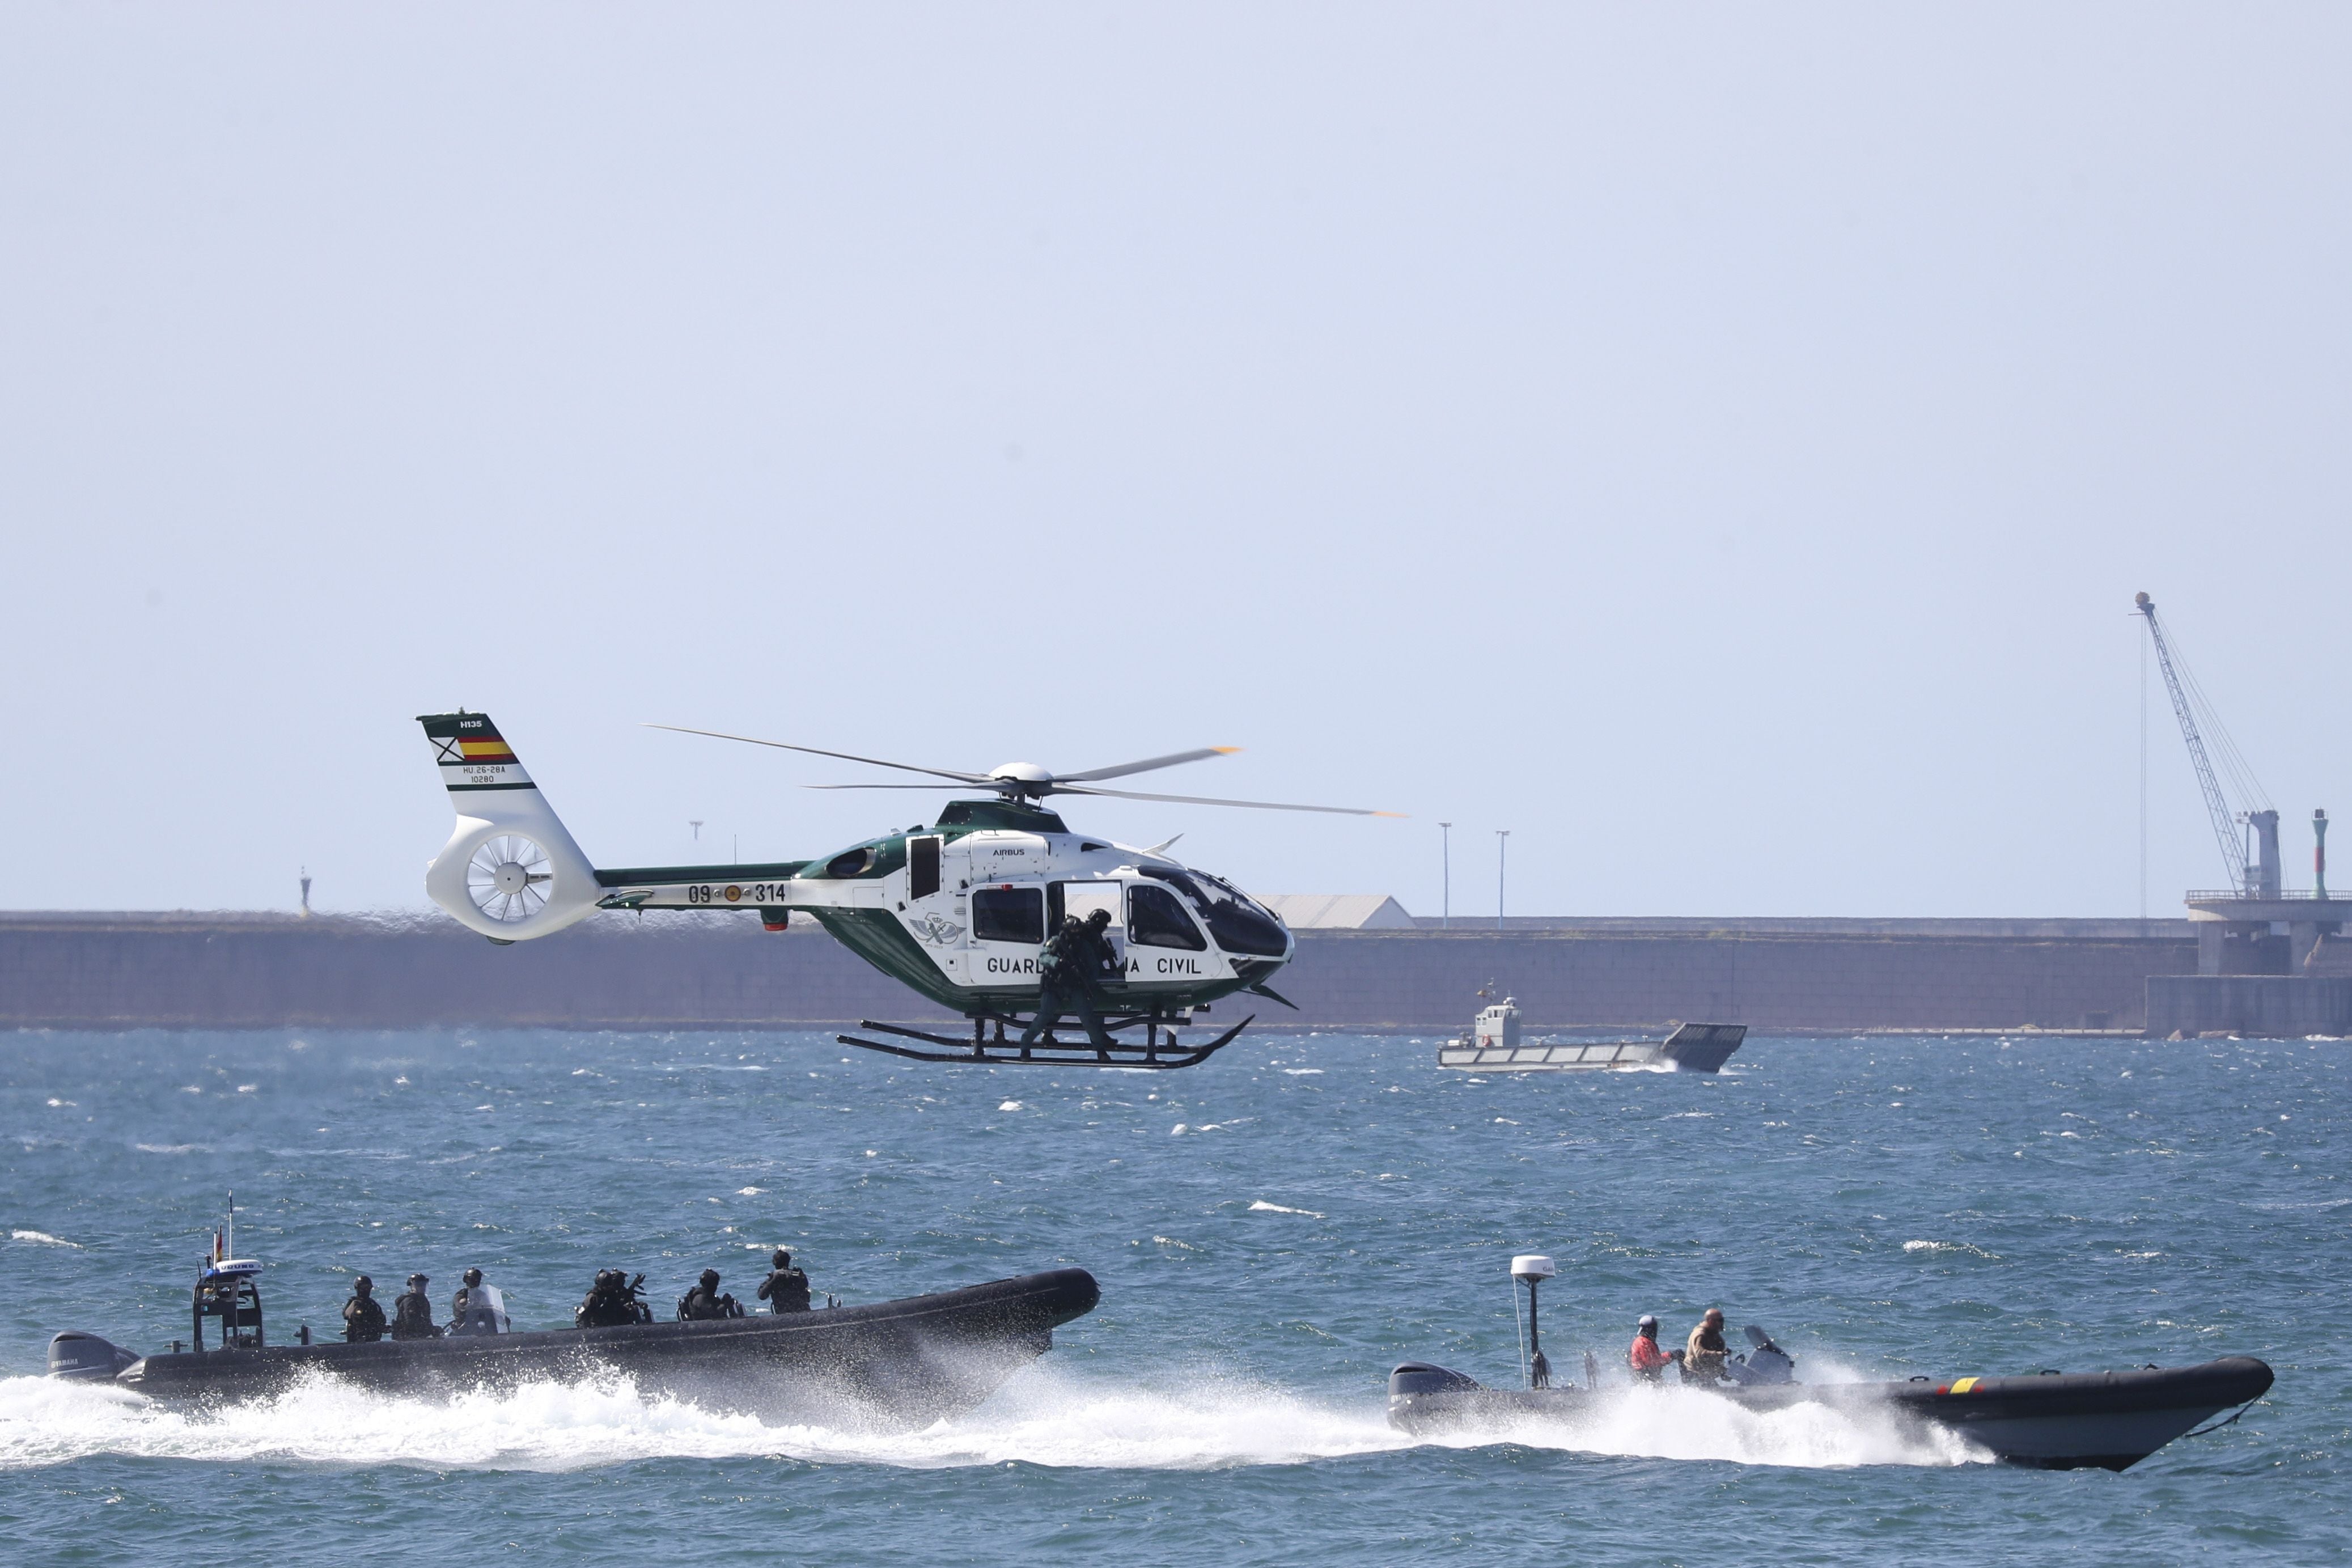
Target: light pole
x=1502, y=864
x=1446, y=919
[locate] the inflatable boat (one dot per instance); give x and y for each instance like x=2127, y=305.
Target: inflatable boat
x=2056, y=1421
x=2049, y=1420
x=901, y=1363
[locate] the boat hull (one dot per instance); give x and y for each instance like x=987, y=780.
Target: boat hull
x=2106, y=1420
x=892, y=1365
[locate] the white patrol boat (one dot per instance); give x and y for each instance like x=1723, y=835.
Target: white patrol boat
x=1496, y=1044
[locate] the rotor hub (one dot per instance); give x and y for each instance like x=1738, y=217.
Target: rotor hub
x=1021, y=778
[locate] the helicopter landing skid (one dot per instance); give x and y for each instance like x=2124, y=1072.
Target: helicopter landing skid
x=1154, y=1053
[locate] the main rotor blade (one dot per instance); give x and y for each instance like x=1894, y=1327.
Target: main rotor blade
x=1145, y=766
x=813, y=752
x=1200, y=800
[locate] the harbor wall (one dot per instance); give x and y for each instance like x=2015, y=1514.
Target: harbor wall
x=2273, y=1006
x=80, y=970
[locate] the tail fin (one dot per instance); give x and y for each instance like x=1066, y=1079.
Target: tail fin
x=510, y=871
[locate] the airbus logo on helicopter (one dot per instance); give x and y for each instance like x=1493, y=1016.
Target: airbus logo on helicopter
x=938, y=908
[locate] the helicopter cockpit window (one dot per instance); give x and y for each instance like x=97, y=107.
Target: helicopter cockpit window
x=1155, y=919
x=1239, y=924
x=1008, y=914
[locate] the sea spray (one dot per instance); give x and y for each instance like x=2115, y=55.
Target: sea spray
x=1047, y=1417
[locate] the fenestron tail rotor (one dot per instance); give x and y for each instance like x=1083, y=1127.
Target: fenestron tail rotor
x=508, y=878
x=1028, y=782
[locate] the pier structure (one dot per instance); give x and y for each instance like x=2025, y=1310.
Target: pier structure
x=101, y=971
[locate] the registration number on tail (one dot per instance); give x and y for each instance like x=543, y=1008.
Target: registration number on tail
x=735, y=893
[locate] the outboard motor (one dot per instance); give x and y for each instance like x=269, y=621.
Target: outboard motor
x=1424, y=1378
x=1764, y=1363
x=85, y=1358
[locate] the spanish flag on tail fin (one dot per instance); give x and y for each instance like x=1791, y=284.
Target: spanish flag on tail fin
x=471, y=754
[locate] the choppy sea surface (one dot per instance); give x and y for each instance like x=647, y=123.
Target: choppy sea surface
x=1272, y=1231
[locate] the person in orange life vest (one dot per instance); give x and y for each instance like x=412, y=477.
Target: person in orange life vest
x=1648, y=1361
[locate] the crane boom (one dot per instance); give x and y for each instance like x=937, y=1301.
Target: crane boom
x=2217, y=804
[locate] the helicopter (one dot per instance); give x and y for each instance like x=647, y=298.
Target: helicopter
x=957, y=911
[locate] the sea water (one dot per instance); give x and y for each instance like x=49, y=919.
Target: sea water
x=1271, y=1230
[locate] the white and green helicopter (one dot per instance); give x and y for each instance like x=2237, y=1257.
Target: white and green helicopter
x=957, y=912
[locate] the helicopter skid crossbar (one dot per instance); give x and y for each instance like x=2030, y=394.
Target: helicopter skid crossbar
x=1153, y=1053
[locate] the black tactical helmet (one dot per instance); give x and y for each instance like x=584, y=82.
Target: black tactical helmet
x=473, y=1277
x=1100, y=918
x=783, y=1259
x=709, y=1277
x=362, y=1285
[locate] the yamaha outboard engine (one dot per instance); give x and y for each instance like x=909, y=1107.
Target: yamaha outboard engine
x=86, y=1358
x=1766, y=1363
x=1424, y=1378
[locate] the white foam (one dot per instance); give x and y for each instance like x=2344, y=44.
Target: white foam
x=43, y=1238
x=1261, y=1206
x=1044, y=1417
x=1673, y=1423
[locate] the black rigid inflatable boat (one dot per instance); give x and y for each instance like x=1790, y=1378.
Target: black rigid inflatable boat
x=899, y=1364
x=2110, y=1420
x=2056, y=1421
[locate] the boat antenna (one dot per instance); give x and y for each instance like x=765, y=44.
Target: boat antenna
x=1531, y=1269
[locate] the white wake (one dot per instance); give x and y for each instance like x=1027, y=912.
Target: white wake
x=1044, y=1418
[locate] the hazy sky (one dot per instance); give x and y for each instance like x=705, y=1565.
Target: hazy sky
x=1719, y=444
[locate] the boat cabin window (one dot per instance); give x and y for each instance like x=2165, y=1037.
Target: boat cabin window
x=922, y=867
x=1008, y=914
x=1156, y=918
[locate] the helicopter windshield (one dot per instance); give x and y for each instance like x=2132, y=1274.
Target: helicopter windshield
x=1238, y=924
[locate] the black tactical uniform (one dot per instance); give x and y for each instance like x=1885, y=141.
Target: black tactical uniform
x=607, y=1304
x=786, y=1290
x=412, y=1312
x=1070, y=965
x=705, y=1301
x=363, y=1314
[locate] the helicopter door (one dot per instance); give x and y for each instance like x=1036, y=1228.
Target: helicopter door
x=1077, y=900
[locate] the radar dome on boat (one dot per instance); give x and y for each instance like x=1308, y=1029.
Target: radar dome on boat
x=1532, y=1265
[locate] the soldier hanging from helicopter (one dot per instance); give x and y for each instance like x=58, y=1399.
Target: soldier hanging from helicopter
x=1071, y=967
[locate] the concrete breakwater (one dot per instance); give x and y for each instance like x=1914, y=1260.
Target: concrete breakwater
x=78, y=970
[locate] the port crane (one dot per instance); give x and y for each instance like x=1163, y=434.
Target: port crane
x=2252, y=876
